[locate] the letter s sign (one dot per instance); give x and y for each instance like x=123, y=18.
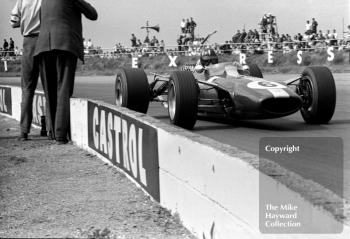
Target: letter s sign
x=300, y=58
x=330, y=53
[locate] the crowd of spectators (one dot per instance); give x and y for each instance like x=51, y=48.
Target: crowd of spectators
x=187, y=36
x=8, y=49
x=269, y=39
x=148, y=46
x=154, y=42
x=268, y=24
x=252, y=40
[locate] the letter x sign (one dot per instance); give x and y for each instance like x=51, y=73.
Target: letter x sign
x=172, y=61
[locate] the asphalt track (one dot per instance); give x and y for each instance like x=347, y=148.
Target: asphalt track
x=247, y=134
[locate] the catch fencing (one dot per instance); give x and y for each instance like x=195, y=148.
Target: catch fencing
x=194, y=49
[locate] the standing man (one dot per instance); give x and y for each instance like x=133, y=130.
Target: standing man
x=59, y=46
x=133, y=40
x=236, y=37
x=26, y=15
x=347, y=35
x=193, y=26
x=183, y=26
x=5, y=47
x=187, y=26
x=243, y=36
x=12, y=47
x=308, y=27
x=314, y=25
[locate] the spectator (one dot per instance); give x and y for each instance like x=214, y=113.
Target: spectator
x=16, y=51
x=250, y=36
x=236, y=37
x=12, y=47
x=300, y=37
x=58, y=48
x=179, y=43
x=5, y=47
x=161, y=46
x=334, y=38
x=283, y=38
x=187, y=38
x=226, y=48
x=86, y=47
x=154, y=41
x=263, y=24
x=26, y=15
x=146, y=41
x=85, y=43
x=139, y=43
x=183, y=26
x=243, y=36
x=89, y=44
x=192, y=26
x=347, y=35
x=320, y=36
x=314, y=25
x=271, y=21
x=187, y=26
x=335, y=34
x=308, y=26
x=133, y=40
x=116, y=48
x=257, y=35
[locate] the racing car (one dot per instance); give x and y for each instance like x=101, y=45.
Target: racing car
x=228, y=90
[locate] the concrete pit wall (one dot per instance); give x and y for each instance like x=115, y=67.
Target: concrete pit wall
x=213, y=188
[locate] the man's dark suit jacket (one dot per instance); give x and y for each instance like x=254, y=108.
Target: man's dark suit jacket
x=61, y=26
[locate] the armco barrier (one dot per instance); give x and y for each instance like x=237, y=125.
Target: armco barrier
x=213, y=188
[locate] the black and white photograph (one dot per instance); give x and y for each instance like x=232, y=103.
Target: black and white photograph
x=128, y=119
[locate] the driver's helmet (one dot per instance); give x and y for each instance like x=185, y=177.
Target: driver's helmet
x=208, y=57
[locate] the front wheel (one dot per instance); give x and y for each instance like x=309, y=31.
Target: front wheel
x=318, y=92
x=183, y=99
x=132, y=89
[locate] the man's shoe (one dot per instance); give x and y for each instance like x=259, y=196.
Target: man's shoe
x=61, y=141
x=50, y=136
x=23, y=137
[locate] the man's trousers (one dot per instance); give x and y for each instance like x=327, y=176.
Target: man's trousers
x=29, y=81
x=57, y=72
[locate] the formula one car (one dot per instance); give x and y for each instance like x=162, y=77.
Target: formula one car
x=228, y=90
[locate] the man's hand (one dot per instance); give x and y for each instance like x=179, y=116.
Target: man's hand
x=15, y=21
x=199, y=68
x=86, y=9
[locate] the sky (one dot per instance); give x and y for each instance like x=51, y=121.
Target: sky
x=119, y=18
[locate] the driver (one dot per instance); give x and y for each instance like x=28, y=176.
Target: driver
x=207, y=57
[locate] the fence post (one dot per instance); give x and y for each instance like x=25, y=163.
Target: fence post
x=5, y=65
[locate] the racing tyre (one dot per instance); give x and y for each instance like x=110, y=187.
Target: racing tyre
x=183, y=99
x=317, y=89
x=255, y=71
x=132, y=89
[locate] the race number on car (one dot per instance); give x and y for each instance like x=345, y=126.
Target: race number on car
x=263, y=84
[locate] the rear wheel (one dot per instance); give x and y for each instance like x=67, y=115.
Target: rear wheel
x=255, y=71
x=317, y=89
x=132, y=89
x=183, y=99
